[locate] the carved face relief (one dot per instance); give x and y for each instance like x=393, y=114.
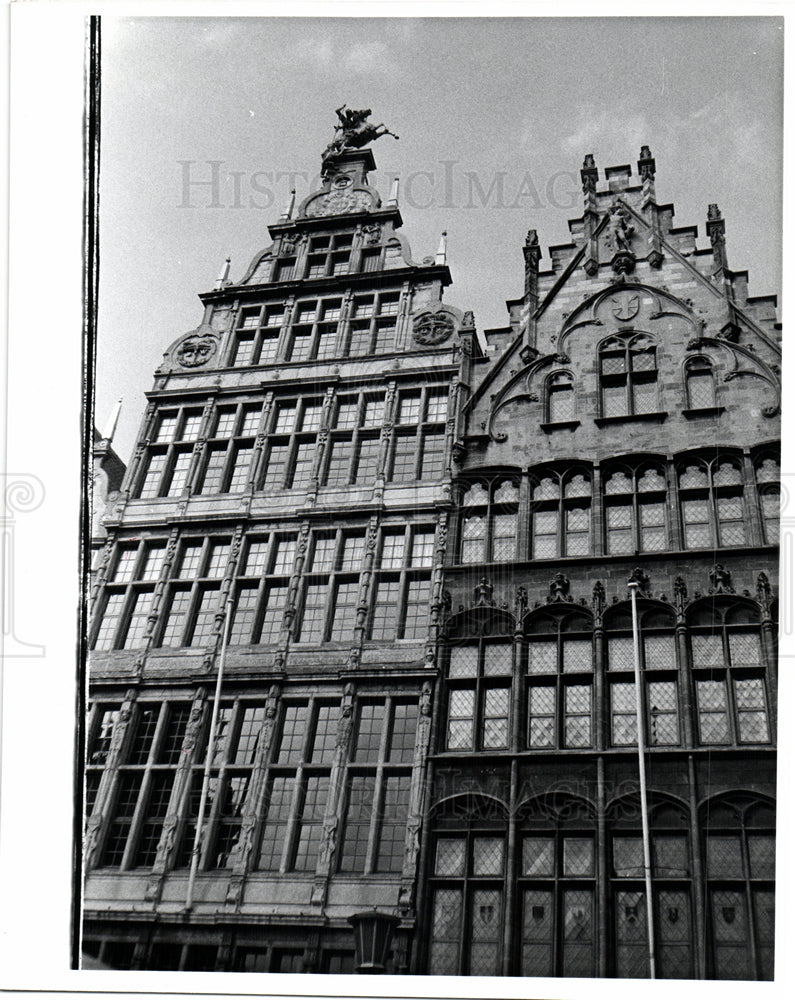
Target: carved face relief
x=196, y=351
x=433, y=328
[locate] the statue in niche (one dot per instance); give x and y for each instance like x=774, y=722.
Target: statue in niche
x=620, y=230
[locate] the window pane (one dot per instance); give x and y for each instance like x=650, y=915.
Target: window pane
x=614, y=400
x=463, y=661
x=450, y=855
x=577, y=655
x=495, y=718
x=712, y=711
x=496, y=660
x=274, y=831
x=578, y=715
x=538, y=934
x=578, y=856
x=707, y=650
x=700, y=389
x=359, y=814
x=275, y=600
x=418, y=594
x=561, y=404
x=620, y=655
x=368, y=734
x=243, y=616
x=310, y=831
x=645, y=396
x=248, y=738
x=325, y=736
x=625, y=730
x=460, y=730
x=487, y=856
x=542, y=657
x=385, y=611
x=724, y=857
x=751, y=710
x=664, y=713
x=660, y=652
x=153, y=562
x=745, y=649
x=486, y=929
x=541, y=714
x=762, y=855
x=294, y=731
x=391, y=842
x=404, y=733
x=446, y=932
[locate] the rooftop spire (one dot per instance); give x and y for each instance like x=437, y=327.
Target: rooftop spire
x=393, y=194
x=441, y=253
x=223, y=277
x=287, y=214
x=113, y=419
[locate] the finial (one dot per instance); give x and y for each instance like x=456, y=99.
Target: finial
x=110, y=427
x=441, y=253
x=287, y=214
x=223, y=277
x=393, y=194
x=646, y=164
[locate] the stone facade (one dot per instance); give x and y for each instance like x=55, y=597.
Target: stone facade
x=424, y=539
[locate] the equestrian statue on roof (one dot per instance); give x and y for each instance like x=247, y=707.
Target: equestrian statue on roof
x=354, y=131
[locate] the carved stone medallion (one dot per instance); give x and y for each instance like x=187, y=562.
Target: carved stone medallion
x=433, y=328
x=625, y=305
x=196, y=351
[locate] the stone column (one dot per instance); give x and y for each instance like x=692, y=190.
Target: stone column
x=365, y=593
x=174, y=822
x=104, y=800
x=243, y=857
x=216, y=638
x=157, y=596
x=437, y=596
x=335, y=803
x=417, y=792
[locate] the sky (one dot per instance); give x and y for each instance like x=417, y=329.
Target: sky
x=494, y=116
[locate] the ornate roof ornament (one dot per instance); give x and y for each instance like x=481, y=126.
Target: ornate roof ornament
x=353, y=131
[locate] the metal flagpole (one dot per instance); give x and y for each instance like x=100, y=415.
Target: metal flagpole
x=194, y=857
x=644, y=812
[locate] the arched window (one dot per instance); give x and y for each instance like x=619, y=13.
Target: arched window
x=660, y=694
x=561, y=512
x=672, y=889
x=559, y=673
x=768, y=475
x=488, y=521
x=729, y=674
x=700, y=384
x=560, y=398
x=740, y=870
x=628, y=373
x=467, y=882
x=635, y=509
x=711, y=500
x=557, y=884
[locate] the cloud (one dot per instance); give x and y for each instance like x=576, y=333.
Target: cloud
x=367, y=57
x=315, y=51
x=606, y=129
